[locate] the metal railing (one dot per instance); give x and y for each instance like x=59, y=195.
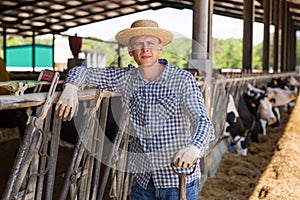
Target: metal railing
x=34, y=171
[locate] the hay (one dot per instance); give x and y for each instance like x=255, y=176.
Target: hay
x=238, y=176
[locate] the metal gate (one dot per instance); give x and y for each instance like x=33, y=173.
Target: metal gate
x=98, y=168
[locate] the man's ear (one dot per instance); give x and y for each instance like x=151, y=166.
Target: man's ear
x=130, y=51
x=160, y=48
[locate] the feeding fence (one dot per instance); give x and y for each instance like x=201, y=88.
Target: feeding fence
x=98, y=167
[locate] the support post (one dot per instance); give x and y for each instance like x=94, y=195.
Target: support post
x=248, y=17
x=266, y=42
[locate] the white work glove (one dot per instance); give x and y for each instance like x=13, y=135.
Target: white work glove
x=68, y=102
x=186, y=157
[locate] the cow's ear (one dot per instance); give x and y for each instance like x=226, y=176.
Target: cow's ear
x=230, y=117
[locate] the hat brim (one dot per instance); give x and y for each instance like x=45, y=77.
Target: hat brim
x=124, y=36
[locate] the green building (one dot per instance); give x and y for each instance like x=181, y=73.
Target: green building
x=19, y=58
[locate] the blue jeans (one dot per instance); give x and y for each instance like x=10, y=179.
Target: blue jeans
x=192, y=190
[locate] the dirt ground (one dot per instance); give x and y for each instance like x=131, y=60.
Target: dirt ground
x=270, y=171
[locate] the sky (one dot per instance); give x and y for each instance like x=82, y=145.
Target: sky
x=178, y=21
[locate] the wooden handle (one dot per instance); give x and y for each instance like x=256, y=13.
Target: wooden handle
x=182, y=187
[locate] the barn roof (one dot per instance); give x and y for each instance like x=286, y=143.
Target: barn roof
x=23, y=17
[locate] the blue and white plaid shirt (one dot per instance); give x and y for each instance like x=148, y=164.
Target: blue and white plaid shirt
x=166, y=114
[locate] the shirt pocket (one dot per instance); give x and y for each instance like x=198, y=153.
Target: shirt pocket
x=165, y=107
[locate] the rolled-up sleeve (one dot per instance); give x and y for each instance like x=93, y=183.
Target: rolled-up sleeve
x=202, y=132
x=106, y=78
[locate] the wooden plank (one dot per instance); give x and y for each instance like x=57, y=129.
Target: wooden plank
x=37, y=99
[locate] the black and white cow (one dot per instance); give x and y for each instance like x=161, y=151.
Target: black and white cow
x=291, y=80
x=253, y=106
x=276, y=112
x=283, y=92
x=240, y=139
x=268, y=113
x=281, y=96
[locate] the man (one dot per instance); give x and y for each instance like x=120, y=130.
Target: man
x=166, y=110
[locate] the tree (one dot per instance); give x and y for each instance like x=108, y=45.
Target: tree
x=227, y=53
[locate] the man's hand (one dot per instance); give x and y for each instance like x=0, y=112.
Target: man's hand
x=186, y=157
x=68, y=102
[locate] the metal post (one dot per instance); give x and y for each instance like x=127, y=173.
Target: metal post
x=266, y=42
x=33, y=51
x=248, y=17
x=4, y=45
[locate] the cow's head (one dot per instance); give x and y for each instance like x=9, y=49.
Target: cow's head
x=291, y=80
x=281, y=96
x=258, y=104
x=265, y=111
x=277, y=83
x=241, y=143
x=234, y=124
x=252, y=97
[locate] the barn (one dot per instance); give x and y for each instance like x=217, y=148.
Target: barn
x=95, y=167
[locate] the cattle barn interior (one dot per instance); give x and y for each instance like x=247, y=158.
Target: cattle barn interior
x=31, y=18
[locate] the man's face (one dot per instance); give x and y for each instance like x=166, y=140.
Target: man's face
x=145, y=50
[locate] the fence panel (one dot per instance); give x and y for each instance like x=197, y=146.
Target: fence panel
x=87, y=177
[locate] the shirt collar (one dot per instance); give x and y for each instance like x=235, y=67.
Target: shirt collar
x=165, y=74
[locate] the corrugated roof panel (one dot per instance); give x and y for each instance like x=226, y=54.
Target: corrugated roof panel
x=59, y=15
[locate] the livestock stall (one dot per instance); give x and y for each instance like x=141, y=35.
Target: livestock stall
x=98, y=163
x=221, y=88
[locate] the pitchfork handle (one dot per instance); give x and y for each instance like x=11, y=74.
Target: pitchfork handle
x=182, y=186
x=182, y=182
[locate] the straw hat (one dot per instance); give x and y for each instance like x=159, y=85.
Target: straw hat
x=144, y=27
